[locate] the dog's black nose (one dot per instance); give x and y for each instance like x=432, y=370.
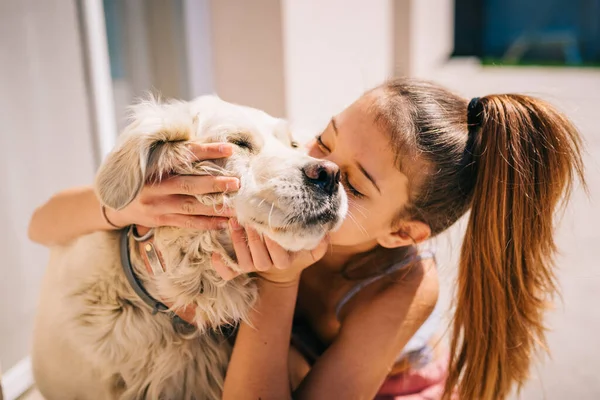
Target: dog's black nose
x=324, y=174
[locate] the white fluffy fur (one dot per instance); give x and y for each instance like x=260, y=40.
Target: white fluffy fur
x=94, y=338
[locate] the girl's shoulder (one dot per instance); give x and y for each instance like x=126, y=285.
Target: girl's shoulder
x=414, y=273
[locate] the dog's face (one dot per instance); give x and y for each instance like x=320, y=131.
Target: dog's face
x=285, y=194
x=291, y=197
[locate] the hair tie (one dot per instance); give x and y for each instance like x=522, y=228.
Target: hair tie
x=474, y=113
x=474, y=119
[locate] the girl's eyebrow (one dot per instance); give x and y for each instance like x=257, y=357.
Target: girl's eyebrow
x=334, y=125
x=368, y=176
x=360, y=167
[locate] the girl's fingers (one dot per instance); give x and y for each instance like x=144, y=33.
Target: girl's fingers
x=260, y=254
x=207, y=151
x=240, y=245
x=221, y=268
x=192, y=221
x=195, y=185
x=309, y=257
x=318, y=252
x=189, y=205
x=281, y=257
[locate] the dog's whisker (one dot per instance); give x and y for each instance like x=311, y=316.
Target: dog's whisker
x=353, y=219
x=358, y=207
x=356, y=204
x=270, y=213
x=361, y=213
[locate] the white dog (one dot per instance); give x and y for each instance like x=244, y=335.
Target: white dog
x=97, y=335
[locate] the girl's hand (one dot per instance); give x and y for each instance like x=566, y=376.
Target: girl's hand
x=270, y=260
x=172, y=202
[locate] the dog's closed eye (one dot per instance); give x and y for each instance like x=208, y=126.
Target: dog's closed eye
x=242, y=141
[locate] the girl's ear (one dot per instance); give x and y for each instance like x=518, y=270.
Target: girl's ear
x=408, y=233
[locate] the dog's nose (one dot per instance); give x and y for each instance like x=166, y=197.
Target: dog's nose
x=324, y=174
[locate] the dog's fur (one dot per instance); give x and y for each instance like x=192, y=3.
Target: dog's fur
x=94, y=338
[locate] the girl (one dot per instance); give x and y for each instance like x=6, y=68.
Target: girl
x=415, y=158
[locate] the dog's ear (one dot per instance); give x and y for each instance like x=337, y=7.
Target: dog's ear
x=153, y=144
x=283, y=132
x=123, y=173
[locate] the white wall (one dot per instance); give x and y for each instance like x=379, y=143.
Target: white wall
x=423, y=36
x=309, y=59
x=334, y=50
x=431, y=35
x=45, y=145
x=247, y=53
x=197, y=26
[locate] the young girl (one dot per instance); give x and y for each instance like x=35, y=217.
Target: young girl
x=414, y=158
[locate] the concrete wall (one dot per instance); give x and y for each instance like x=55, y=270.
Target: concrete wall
x=45, y=144
x=423, y=35
x=309, y=59
x=334, y=51
x=305, y=60
x=248, y=53
x=431, y=35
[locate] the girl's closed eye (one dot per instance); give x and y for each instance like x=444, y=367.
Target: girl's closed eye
x=353, y=191
x=321, y=145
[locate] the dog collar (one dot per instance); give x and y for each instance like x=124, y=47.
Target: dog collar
x=155, y=266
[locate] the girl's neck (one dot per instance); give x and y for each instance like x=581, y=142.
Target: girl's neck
x=337, y=256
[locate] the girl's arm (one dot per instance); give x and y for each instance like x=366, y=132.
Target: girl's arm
x=75, y=212
x=376, y=328
x=68, y=214
x=258, y=368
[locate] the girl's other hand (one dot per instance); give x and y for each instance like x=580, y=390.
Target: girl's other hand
x=264, y=256
x=172, y=202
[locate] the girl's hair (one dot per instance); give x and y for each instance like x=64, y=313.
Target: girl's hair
x=512, y=171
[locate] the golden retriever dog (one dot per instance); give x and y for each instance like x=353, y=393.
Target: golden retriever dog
x=96, y=337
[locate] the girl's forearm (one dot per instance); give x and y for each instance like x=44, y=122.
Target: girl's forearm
x=259, y=363
x=67, y=215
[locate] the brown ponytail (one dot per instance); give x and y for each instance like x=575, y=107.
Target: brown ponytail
x=526, y=155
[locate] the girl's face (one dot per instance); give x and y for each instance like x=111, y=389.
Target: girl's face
x=376, y=189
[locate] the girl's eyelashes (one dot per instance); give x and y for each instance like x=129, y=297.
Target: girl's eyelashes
x=351, y=188
x=321, y=144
